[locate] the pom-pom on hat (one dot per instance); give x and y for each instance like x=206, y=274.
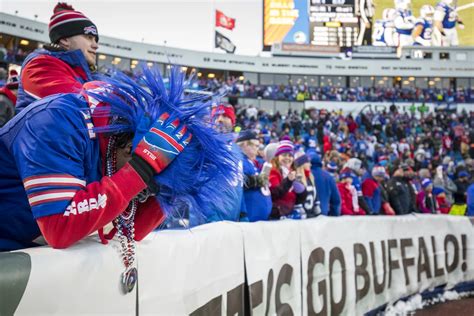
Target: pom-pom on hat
x=285, y=146
x=66, y=22
x=13, y=80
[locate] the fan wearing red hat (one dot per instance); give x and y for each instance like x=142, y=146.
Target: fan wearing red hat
x=64, y=65
x=223, y=116
x=8, y=98
x=223, y=120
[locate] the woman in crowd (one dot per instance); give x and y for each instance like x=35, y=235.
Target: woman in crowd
x=302, y=165
x=426, y=200
x=286, y=191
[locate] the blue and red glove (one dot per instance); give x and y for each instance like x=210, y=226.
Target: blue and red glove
x=163, y=142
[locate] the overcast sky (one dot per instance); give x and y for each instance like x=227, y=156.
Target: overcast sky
x=185, y=24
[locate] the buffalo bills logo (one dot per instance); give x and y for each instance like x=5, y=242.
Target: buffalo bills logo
x=90, y=30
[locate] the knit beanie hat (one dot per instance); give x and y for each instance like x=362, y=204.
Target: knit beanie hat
x=345, y=173
x=354, y=164
x=426, y=183
x=269, y=151
x=284, y=146
x=66, y=22
x=224, y=109
x=300, y=159
x=379, y=171
x=331, y=167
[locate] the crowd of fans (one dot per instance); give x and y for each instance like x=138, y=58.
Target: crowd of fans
x=376, y=163
x=302, y=92
x=291, y=165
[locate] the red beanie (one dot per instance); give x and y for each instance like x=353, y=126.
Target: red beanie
x=66, y=22
x=226, y=110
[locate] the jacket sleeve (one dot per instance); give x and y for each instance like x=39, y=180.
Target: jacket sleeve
x=46, y=75
x=92, y=208
x=470, y=200
x=364, y=205
x=335, y=198
x=420, y=202
x=51, y=153
x=345, y=210
x=368, y=191
x=394, y=195
x=301, y=197
x=278, y=188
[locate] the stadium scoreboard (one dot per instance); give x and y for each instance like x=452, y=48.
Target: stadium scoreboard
x=332, y=23
x=310, y=23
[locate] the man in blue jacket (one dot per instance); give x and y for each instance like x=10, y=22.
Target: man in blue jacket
x=470, y=200
x=325, y=186
x=258, y=202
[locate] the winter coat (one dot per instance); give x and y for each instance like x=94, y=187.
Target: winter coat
x=283, y=197
x=327, y=191
x=443, y=204
x=470, y=200
x=372, y=193
x=46, y=72
x=399, y=194
x=427, y=203
x=349, y=200
x=258, y=202
x=447, y=184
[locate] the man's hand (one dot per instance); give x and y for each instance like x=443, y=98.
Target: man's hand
x=163, y=142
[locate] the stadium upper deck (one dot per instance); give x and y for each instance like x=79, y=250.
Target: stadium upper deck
x=420, y=66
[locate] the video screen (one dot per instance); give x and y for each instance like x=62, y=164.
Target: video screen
x=341, y=24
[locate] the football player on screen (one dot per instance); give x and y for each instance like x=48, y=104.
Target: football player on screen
x=424, y=26
x=384, y=29
x=445, y=18
x=404, y=22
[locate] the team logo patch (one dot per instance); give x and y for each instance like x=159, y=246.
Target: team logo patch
x=90, y=30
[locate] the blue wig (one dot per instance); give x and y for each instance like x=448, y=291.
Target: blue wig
x=197, y=177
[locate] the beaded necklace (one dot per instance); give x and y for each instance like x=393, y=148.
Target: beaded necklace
x=124, y=223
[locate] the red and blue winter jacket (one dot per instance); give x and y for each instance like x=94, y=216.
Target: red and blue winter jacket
x=52, y=182
x=46, y=72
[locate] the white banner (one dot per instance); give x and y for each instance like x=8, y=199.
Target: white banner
x=352, y=265
x=192, y=272
x=82, y=280
x=323, y=266
x=273, y=266
x=356, y=107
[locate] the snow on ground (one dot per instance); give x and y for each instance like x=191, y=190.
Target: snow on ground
x=416, y=302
